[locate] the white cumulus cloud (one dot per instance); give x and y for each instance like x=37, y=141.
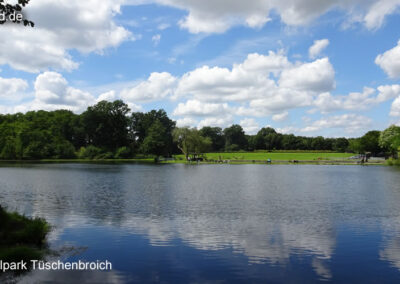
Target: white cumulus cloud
x=53, y=92
x=222, y=122
x=12, y=88
x=61, y=26
x=217, y=16
x=327, y=102
x=350, y=123
x=317, y=76
x=107, y=96
x=198, y=108
x=318, y=47
x=157, y=87
x=280, y=116
x=186, y=122
x=377, y=12
x=389, y=61
x=250, y=126
x=395, y=109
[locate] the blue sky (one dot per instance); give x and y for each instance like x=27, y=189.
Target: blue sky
x=307, y=67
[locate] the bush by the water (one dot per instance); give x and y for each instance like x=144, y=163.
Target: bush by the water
x=123, y=153
x=21, y=238
x=393, y=162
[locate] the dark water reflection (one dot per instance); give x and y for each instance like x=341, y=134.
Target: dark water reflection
x=216, y=223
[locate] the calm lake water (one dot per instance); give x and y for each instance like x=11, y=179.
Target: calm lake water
x=214, y=223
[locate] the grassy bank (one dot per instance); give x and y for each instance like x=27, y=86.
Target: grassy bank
x=277, y=156
x=258, y=157
x=393, y=162
x=21, y=238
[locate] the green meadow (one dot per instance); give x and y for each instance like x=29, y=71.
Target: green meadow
x=277, y=156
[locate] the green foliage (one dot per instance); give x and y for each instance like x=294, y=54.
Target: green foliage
x=340, y=145
x=389, y=139
x=106, y=130
x=266, y=139
x=9, y=149
x=106, y=124
x=37, y=150
x=142, y=125
x=370, y=142
x=393, y=162
x=90, y=152
x=291, y=142
x=123, y=153
x=232, y=148
x=93, y=153
x=104, y=156
x=355, y=145
x=156, y=139
x=235, y=135
x=18, y=253
x=81, y=153
x=216, y=135
x=190, y=141
x=64, y=150
x=21, y=237
x=38, y=135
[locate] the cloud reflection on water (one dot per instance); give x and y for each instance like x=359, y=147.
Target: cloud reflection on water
x=267, y=214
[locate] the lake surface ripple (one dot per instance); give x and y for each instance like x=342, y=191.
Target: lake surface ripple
x=214, y=223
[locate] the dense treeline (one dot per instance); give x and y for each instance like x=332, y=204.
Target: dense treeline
x=109, y=130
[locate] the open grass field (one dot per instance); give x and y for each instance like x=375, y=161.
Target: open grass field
x=244, y=157
x=278, y=156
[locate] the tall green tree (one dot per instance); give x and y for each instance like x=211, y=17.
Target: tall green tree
x=156, y=140
x=140, y=124
x=266, y=139
x=370, y=142
x=216, y=135
x=190, y=141
x=235, y=139
x=106, y=124
x=389, y=139
x=318, y=143
x=355, y=145
x=292, y=142
x=9, y=151
x=340, y=145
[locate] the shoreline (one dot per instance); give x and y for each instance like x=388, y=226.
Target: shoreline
x=229, y=162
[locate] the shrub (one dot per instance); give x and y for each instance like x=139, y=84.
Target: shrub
x=232, y=148
x=123, y=153
x=81, y=153
x=104, y=156
x=393, y=162
x=64, y=150
x=90, y=152
x=8, y=152
x=18, y=253
x=21, y=238
x=37, y=150
x=18, y=229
